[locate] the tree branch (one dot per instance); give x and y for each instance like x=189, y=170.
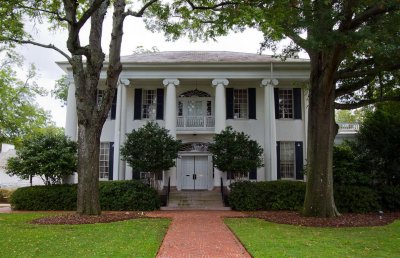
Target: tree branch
x=213, y=7
x=50, y=46
x=57, y=14
x=88, y=13
x=369, y=14
x=352, y=87
x=141, y=11
x=366, y=72
x=356, y=65
x=365, y=102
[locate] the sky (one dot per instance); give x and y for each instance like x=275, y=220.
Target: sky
x=135, y=34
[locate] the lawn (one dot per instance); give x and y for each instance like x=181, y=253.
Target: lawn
x=132, y=238
x=266, y=239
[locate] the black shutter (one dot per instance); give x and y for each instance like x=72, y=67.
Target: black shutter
x=138, y=105
x=114, y=105
x=278, y=160
x=229, y=103
x=276, y=98
x=160, y=104
x=252, y=103
x=253, y=174
x=297, y=103
x=299, y=160
x=111, y=161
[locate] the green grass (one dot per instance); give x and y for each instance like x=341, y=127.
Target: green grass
x=132, y=238
x=266, y=239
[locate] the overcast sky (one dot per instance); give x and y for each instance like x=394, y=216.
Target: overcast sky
x=135, y=35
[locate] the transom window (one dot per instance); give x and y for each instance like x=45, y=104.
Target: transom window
x=285, y=103
x=104, y=160
x=149, y=104
x=287, y=160
x=240, y=103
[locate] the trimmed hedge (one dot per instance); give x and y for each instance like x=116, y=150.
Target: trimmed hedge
x=360, y=199
x=390, y=198
x=274, y=195
x=114, y=195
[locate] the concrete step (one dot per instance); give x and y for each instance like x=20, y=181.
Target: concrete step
x=189, y=200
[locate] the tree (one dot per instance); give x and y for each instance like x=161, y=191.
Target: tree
x=354, y=48
x=47, y=154
x=19, y=112
x=150, y=149
x=234, y=152
x=87, y=64
x=60, y=91
x=378, y=142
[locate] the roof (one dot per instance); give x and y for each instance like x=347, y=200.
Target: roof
x=202, y=57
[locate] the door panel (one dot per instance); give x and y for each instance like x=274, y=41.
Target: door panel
x=194, y=172
x=187, y=173
x=201, y=170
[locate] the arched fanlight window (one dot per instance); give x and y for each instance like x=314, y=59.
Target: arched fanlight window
x=195, y=93
x=195, y=146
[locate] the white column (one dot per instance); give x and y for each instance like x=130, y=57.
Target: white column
x=220, y=104
x=118, y=175
x=71, y=123
x=170, y=106
x=269, y=129
x=122, y=164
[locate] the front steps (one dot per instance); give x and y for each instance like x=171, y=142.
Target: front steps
x=195, y=200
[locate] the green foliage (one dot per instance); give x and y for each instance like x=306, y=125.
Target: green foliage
x=60, y=91
x=118, y=195
x=390, y=197
x=48, y=154
x=19, y=112
x=360, y=199
x=273, y=195
x=235, y=152
x=150, y=149
x=128, y=195
x=44, y=198
x=5, y=194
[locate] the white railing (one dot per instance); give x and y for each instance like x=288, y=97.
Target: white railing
x=349, y=127
x=195, y=122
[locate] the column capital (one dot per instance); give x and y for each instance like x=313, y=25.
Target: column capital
x=174, y=82
x=269, y=82
x=222, y=82
x=125, y=82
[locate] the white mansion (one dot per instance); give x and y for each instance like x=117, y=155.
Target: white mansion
x=196, y=95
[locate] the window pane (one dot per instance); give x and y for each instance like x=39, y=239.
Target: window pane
x=287, y=160
x=104, y=160
x=149, y=103
x=285, y=103
x=240, y=105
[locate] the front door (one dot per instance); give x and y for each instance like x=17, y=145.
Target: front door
x=194, y=172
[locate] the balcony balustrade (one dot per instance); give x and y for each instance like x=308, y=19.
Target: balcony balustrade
x=195, y=123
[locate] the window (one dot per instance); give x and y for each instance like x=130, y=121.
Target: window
x=287, y=160
x=149, y=104
x=285, y=103
x=104, y=159
x=240, y=103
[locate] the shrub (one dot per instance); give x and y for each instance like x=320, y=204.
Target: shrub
x=390, y=198
x=274, y=195
x=128, y=195
x=360, y=199
x=52, y=197
x=114, y=195
x=5, y=195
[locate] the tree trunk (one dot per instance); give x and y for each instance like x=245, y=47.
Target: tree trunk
x=88, y=202
x=319, y=200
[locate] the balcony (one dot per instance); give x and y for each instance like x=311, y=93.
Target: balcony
x=348, y=128
x=195, y=123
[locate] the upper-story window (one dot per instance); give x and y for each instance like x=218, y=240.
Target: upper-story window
x=288, y=103
x=149, y=104
x=285, y=103
x=240, y=104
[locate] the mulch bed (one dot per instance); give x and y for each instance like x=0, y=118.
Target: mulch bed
x=345, y=220
x=74, y=218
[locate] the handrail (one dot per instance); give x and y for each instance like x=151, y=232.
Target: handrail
x=168, y=189
x=223, y=191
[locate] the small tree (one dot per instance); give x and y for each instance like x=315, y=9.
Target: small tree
x=234, y=152
x=150, y=149
x=47, y=154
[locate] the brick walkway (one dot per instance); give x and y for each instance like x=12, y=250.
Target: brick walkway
x=5, y=208
x=199, y=234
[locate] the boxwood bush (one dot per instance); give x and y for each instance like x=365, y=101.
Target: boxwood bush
x=390, y=198
x=274, y=195
x=360, y=199
x=114, y=195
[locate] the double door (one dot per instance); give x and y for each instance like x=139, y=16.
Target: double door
x=194, y=172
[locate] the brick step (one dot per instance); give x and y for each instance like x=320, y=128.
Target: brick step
x=208, y=200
